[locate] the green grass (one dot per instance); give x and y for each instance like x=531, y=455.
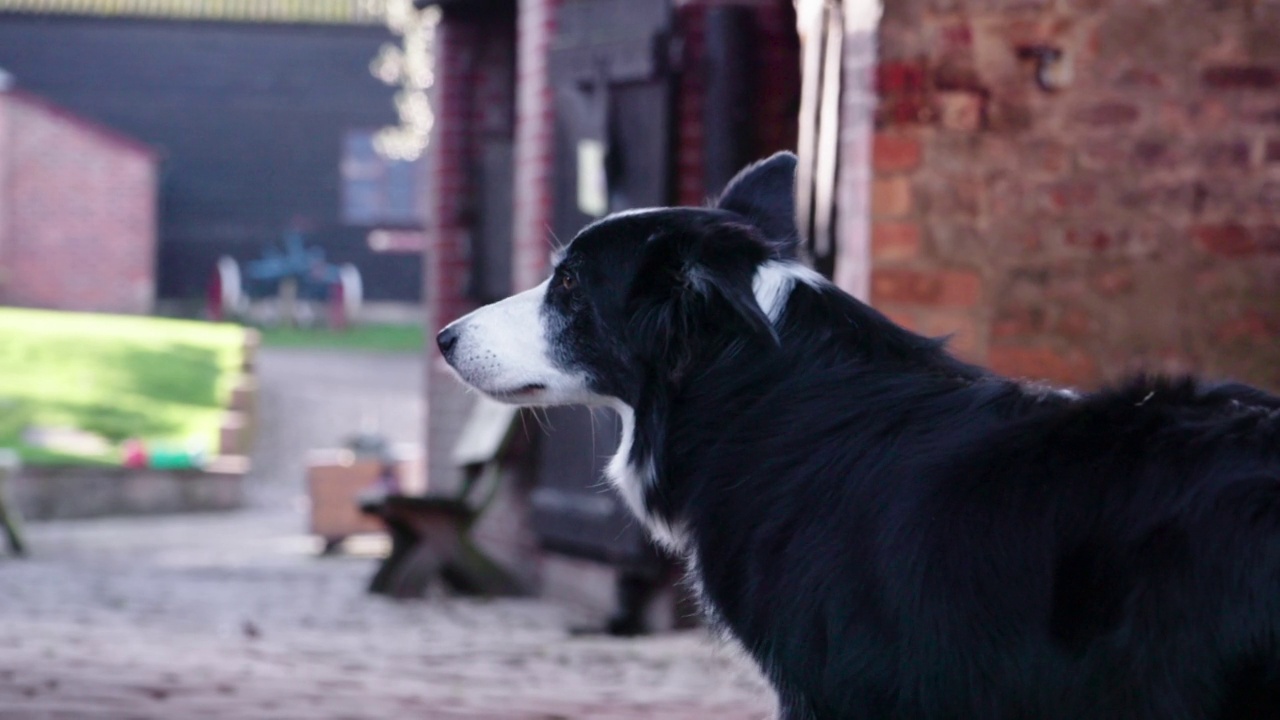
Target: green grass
x=381, y=338
x=117, y=376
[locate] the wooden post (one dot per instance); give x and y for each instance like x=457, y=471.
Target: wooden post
x=9, y=465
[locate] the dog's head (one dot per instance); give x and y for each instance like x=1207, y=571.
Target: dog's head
x=640, y=297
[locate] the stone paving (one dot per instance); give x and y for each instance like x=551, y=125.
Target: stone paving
x=234, y=615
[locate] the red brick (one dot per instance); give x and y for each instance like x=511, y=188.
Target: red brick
x=1107, y=114
x=895, y=241
x=1115, y=281
x=1251, y=325
x=891, y=197
x=1265, y=116
x=954, y=74
x=1047, y=156
x=955, y=36
x=1241, y=77
x=961, y=111
x=1151, y=153
x=1089, y=239
x=941, y=288
x=899, y=77
x=1073, y=324
x=1230, y=154
x=1008, y=115
x=1231, y=240
x=1018, y=322
x=1267, y=238
x=535, y=141
x=1140, y=78
x=903, y=110
x=960, y=327
x=1073, y=195
x=1072, y=367
x=896, y=152
x=904, y=317
x=1103, y=153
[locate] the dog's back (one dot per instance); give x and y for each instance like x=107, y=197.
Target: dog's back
x=895, y=534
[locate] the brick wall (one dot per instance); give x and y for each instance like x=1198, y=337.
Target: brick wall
x=474, y=103
x=77, y=212
x=535, y=142
x=690, y=183
x=776, y=75
x=5, y=164
x=452, y=186
x=1127, y=220
x=472, y=94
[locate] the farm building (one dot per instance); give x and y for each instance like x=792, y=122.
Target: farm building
x=77, y=210
x=1074, y=190
x=262, y=114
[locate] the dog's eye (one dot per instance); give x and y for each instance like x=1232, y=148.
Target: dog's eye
x=568, y=282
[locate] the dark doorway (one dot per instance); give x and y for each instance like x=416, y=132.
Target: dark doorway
x=612, y=89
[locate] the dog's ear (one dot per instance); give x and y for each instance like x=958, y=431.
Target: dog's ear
x=764, y=193
x=693, y=298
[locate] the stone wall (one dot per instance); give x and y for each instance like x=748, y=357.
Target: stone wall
x=48, y=493
x=1122, y=218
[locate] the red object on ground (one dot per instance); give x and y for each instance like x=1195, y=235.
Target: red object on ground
x=337, y=306
x=135, y=454
x=214, y=297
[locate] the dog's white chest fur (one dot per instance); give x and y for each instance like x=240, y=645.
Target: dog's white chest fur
x=634, y=478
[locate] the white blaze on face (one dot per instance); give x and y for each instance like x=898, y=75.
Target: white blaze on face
x=504, y=351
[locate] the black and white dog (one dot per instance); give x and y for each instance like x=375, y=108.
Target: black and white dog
x=888, y=531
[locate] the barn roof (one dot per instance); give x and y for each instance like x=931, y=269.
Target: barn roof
x=328, y=12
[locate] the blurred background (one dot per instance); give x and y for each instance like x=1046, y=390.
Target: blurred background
x=237, y=481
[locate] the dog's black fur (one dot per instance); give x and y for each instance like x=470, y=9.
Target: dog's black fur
x=893, y=533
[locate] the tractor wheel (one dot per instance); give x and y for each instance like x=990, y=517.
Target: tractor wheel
x=345, y=297
x=225, y=293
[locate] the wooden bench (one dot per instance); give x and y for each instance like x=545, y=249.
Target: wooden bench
x=9, y=466
x=431, y=534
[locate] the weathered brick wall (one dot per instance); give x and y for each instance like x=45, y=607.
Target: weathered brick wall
x=690, y=183
x=535, y=142
x=474, y=101
x=78, y=212
x=1125, y=221
x=775, y=70
x=5, y=166
x=460, y=106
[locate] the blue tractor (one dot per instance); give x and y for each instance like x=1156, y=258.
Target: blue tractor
x=296, y=285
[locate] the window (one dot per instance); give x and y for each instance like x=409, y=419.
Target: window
x=375, y=190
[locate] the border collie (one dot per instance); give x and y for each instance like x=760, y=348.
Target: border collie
x=888, y=531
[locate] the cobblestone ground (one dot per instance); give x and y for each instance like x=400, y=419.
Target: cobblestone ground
x=234, y=616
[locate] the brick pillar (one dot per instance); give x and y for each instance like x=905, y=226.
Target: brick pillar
x=447, y=233
x=448, y=228
x=691, y=187
x=535, y=143
x=903, y=278
x=5, y=219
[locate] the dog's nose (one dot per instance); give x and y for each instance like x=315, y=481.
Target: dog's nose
x=447, y=339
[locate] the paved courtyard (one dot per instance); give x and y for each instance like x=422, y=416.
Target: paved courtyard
x=234, y=616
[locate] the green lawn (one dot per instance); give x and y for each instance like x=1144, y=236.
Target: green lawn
x=117, y=376
x=382, y=338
